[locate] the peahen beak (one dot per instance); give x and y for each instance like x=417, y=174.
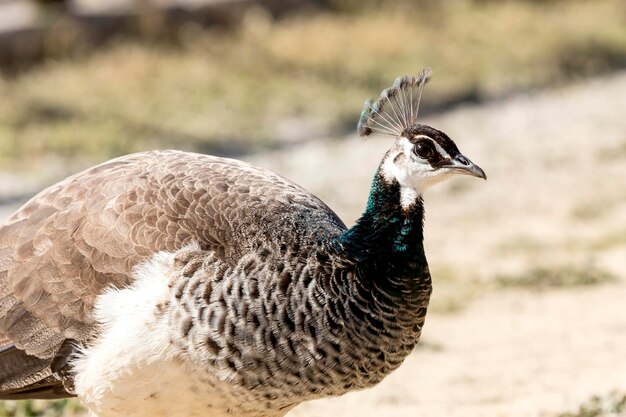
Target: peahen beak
x=462, y=165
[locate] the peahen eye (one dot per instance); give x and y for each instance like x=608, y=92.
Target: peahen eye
x=423, y=150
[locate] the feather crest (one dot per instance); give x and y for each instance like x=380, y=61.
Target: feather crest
x=396, y=109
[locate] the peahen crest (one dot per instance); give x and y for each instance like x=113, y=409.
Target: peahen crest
x=396, y=109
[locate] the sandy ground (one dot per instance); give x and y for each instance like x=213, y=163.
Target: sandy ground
x=556, y=197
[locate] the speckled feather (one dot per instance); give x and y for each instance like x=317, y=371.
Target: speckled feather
x=67, y=244
x=294, y=332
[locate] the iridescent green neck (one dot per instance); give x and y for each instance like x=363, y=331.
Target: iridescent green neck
x=387, y=237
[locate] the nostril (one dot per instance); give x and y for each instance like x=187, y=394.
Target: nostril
x=463, y=160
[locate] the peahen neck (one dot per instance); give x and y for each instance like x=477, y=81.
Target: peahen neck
x=384, y=289
x=388, y=238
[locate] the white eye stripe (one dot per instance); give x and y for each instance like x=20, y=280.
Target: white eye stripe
x=406, y=145
x=414, y=174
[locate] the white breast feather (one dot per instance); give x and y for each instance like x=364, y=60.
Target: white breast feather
x=133, y=369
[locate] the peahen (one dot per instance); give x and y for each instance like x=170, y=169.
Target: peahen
x=177, y=284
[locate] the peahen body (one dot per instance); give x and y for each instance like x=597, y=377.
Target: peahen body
x=177, y=284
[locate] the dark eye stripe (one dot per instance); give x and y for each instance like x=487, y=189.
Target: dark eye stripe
x=425, y=149
x=419, y=131
x=437, y=161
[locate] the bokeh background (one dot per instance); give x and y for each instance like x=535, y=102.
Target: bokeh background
x=528, y=315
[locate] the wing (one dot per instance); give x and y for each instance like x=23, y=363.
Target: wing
x=23, y=376
x=62, y=248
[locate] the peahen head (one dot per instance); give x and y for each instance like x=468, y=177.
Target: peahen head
x=421, y=155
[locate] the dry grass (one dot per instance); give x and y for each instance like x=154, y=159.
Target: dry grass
x=542, y=277
x=452, y=291
x=611, y=240
x=298, y=78
x=611, y=405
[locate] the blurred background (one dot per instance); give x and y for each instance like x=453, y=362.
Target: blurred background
x=528, y=315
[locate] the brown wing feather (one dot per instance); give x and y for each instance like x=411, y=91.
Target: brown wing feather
x=63, y=247
x=23, y=376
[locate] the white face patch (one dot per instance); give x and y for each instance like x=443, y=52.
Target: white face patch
x=414, y=174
